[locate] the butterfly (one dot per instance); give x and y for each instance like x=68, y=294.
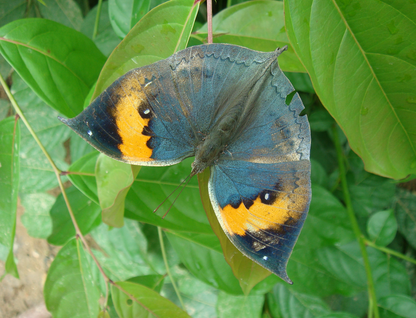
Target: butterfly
x=226, y=106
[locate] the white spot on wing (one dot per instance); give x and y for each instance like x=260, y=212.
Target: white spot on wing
x=146, y=111
x=148, y=84
x=89, y=132
x=265, y=257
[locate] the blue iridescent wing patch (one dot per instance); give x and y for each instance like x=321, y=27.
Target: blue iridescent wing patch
x=225, y=105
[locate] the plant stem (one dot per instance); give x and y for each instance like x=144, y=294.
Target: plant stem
x=359, y=236
x=58, y=176
x=209, y=18
x=32, y=132
x=390, y=251
x=97, y=19
x=165, y=260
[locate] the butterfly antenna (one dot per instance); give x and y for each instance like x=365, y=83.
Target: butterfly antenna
x=189, y=177
x=154, y=211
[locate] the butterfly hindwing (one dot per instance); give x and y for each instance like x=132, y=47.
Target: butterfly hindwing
x=262, y=208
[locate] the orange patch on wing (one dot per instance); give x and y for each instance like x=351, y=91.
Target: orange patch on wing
x=258, y=216
x=129, y=122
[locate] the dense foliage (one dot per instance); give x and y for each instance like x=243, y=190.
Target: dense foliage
x=356, y=254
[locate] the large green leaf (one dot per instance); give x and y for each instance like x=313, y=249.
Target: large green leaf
x=258, y=25
x=382, y=227
x=123, y=252
x=361, y=57
x=66, y=12
x=206, y=263
x=124, y=14
x=86, y=212
x=326, y=227
x=199, y=298
x=9, y=187
x=153, y=186
x=397, y=306
x=287, y=303
x=405, y=209
x=36, y=172
x=146, y=303
x=57, y=62
x=82, y=175
x=389, y=275
x=239, y=306
x=36, y=218
x=69, y=289
x=160, y=33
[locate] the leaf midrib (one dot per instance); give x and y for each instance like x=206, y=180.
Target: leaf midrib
x=364, y=54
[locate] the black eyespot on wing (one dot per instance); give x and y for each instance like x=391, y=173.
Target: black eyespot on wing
x=268, y=197
x=145, y=111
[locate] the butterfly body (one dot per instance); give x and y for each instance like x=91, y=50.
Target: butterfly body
x=225, y=105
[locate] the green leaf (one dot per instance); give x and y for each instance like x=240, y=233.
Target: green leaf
x=36, y=171
x=199, y=298
x=124, y=14
x=123, y=252
x=389, y=275
x=345, y=263
x=371, y=195
x=382, y=227
x=154, y=282
x=9, y=187
x=69, y=290
x=405, y=209
x=66, y=12
x=153, y=186
x=318, y=174
x=301, y=82
x=248, y=272
x=327, y=224
x=114, y=179
x=361, y=57
x=239, y=306
x=258, y=25
x=146, y=302
x=36, y=218
x=337, y=315
x=86, y=212
x=397, y=306
x=205, y=263
x=321, y=120
x=162, y=32
x=286, y=303
x=12, y=10
x=82, y=175
x=106, y=39
x=57, y=62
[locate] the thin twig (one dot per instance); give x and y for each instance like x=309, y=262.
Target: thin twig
x=373, y=308
x=390, y=251
x=97, y=19
x=209, y=18
x=165, y=260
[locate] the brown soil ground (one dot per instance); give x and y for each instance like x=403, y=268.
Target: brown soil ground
x=23, y=298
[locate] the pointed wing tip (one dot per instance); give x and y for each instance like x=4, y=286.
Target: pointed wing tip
x=281, y=50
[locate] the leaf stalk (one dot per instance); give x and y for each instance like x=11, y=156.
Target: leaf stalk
x=373, y=308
